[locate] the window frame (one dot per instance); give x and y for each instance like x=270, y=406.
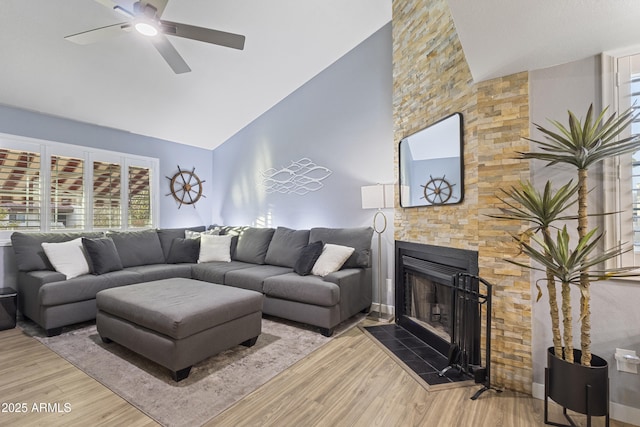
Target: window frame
x=48, y=148
x=618, y=171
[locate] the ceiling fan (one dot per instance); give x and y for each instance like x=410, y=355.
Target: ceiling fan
x=145, y=18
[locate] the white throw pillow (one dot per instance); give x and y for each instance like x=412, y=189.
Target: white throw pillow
x=215, y=248
x=189, y=234
x=67, y=258
x=331, y=259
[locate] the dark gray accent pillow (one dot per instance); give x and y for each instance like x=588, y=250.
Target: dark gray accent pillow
x=103, y=255
x=357, y=237
x=308, y=257
x=166, y=236
x=184, y=250
x=253, y=244
x=286, y=244
x=138, y=247
x=28, y=248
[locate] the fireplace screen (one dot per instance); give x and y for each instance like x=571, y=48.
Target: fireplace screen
x=428, y=303
x=424, y=293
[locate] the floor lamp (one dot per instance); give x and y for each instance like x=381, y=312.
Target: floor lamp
x=378, y=197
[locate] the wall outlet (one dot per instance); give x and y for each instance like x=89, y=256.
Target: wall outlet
x=627, y=360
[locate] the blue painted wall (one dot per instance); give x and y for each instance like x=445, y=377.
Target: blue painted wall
x=341, y=120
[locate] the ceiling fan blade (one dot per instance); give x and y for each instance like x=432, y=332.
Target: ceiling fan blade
x=156, y=5
x=99, y=34
x=235, y=41
x=115, y=7
x=170, y=54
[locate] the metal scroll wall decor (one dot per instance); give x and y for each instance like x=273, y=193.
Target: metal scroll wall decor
x=299, y=177
x=185, y=187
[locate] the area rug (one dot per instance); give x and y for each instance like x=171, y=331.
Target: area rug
x=212, y=386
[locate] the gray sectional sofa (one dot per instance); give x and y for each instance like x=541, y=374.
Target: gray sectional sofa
x=262, y=260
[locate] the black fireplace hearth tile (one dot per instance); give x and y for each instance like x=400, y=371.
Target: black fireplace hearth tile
x=433, y=378
x=405, y=354
x=396, y=331
x=394, y=345
x=412, y=342
x=427, y=352
x=419, y=366
x=418, y=356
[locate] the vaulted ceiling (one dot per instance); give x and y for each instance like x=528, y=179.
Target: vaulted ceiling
x=124, y=83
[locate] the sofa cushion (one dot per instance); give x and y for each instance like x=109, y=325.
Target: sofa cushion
x=166, y=236
x=28, y=248
x=285, y=246
x=184, y=250
x=309, y=289
x=251, y=278
x=358, y=238
x=85, y=287
x=215, y=248
x=253, y=244
x=214, y=272
x=67, y=258
x=331, y=259
x=103, y=255
x=138, y=247
x=308, y=257
x=161, y=271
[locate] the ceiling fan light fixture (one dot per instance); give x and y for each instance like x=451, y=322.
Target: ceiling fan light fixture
x=146, y=28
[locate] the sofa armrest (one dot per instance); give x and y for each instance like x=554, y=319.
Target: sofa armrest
x=29, y=285
x=355, y=289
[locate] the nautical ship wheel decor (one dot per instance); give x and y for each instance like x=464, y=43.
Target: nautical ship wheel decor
x=185, y=187
x=437, y=191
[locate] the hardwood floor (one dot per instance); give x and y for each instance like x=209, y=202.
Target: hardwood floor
x=348, y=382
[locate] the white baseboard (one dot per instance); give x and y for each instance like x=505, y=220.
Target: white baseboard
x=618, y=412
x=388, y=309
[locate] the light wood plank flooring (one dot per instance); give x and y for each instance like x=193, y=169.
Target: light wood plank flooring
x=348, y=382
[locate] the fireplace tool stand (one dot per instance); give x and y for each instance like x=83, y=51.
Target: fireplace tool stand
x=466, y=322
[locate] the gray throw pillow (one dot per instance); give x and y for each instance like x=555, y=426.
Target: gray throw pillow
x=102, y=255
x=184, y=250
x=358, y=238
x=28, y=247
x=138, y=247
x=308, y=257
x=286, y=244
x=253, y=244
x=166, y=236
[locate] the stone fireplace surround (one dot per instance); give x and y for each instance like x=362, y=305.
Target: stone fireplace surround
x=431, y=80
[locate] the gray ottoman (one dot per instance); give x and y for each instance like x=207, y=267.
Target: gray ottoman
x=179, y=322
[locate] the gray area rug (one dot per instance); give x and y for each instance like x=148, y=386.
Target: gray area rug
x=213, y=385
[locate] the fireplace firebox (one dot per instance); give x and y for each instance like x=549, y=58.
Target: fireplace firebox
x=424, y=295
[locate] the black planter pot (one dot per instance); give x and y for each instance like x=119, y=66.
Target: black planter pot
x=582, y=389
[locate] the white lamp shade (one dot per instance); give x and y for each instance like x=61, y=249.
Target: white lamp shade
x=377, y=196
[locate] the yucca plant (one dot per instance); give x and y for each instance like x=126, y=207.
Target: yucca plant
x=542, y=210
x=581, y=145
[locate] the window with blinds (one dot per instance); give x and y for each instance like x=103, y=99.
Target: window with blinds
x=139, y=184
x=625, y=224
x=67, y=192
x=19, y=190
x=50, y=186
x=107, y=212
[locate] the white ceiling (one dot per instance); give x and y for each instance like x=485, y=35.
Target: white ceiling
x=502, y=37
x=125, y=84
